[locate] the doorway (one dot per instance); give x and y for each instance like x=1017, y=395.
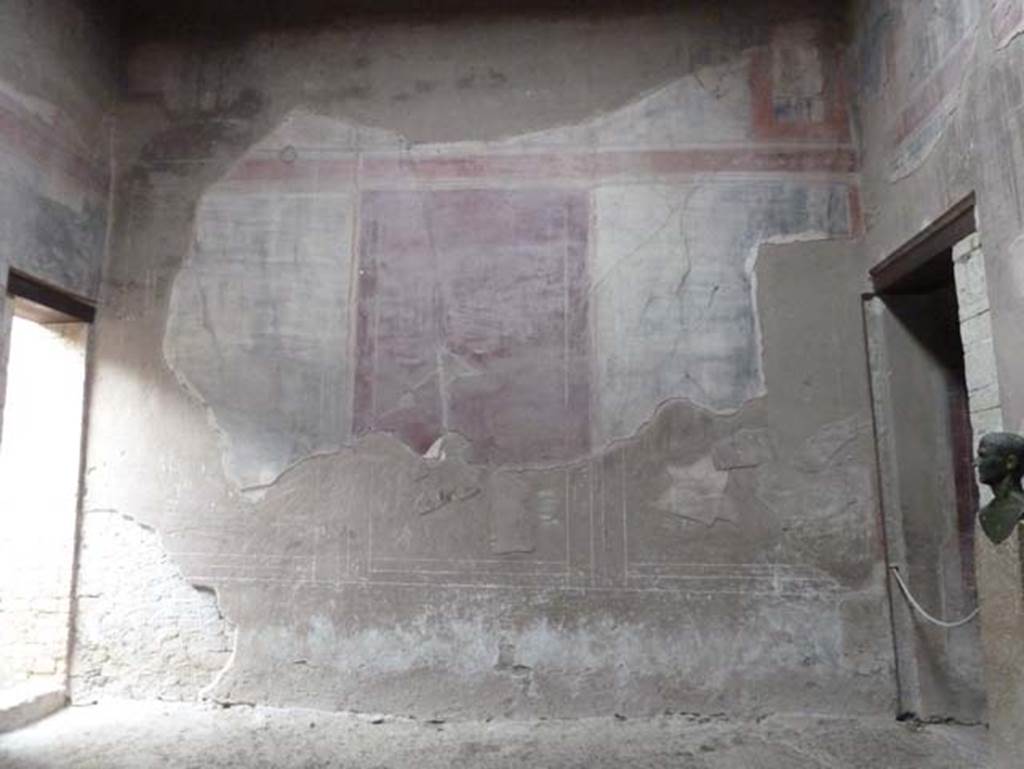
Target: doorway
x=40, y=456
x=928, y=493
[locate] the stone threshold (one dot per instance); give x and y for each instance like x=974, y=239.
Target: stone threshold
x=26, y=703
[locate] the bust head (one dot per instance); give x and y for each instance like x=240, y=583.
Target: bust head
x=1000, y=465
x=1000, y=456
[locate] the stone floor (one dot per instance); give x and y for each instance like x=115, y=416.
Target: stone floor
x=184, y=736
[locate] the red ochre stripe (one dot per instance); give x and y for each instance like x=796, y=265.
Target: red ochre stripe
x=930, y=95
x=568, y=165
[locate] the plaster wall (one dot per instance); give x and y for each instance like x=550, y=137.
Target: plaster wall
x=501, y=365
x=940, y=90
x=56, y=85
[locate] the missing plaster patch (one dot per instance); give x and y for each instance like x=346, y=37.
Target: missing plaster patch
x=142, y=631
x=697, y=492
x=674, y=308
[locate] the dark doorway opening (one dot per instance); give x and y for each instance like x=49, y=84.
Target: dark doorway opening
x=927, y=488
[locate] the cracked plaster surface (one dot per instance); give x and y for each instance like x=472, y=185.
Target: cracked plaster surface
x=394, y=558
x=275, y=317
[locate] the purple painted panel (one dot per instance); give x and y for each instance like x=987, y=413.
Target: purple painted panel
x=472, y=319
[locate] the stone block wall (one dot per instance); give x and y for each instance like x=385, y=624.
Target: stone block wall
x=976, y=335
x=143, y=631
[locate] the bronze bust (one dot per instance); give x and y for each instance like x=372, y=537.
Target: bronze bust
x=1000, y=466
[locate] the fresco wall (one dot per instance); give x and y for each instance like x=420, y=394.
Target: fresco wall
x=505, y=366
x=539, y=296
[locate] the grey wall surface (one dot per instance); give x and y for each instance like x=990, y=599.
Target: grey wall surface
x=56, y=87
x=940, y=92
x=492, y=366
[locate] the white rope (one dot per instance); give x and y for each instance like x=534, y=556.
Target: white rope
x=920, y=610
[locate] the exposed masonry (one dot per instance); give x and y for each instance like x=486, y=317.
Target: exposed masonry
x=142, y=630
x=33, y=618
x=976, y=335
